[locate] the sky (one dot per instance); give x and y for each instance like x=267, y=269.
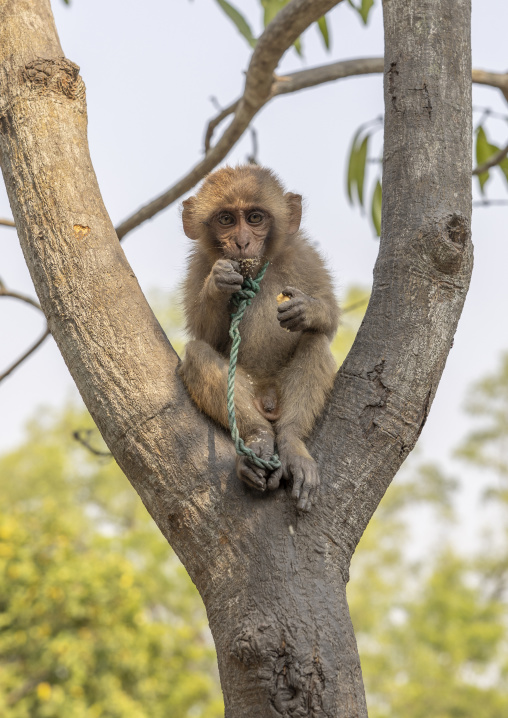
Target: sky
x=153, y=71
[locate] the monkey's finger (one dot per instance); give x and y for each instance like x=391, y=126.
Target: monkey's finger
x=230, y=278
x=295, y=311
x=286, y=307
x=298, y=477
x=274, y=480
x=228, y=265
x=304, y=500
x=293, y=292
x=249, y=477
x=230, y=288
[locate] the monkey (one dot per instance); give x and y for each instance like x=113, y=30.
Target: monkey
x=239, y=219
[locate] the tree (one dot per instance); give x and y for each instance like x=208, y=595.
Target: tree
x=273, y=582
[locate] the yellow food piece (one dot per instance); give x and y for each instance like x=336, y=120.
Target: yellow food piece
x=282, y=298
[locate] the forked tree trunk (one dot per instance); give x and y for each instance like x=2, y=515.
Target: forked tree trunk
x=273, y=582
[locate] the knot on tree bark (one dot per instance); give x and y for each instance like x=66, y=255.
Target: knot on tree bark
x=59, y=76
x=446, y=242
x=293, y=679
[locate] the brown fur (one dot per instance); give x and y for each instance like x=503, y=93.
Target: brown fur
x=283, y=377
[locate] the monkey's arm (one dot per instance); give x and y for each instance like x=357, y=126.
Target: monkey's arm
x=304, y=313
x=206, y=296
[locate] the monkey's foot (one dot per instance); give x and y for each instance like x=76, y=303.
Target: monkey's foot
x=263, y=446
x=301, y=467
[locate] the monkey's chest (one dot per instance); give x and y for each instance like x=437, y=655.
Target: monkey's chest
x=265, y=347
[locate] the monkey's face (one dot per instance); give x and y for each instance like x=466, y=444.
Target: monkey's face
x=241, y=232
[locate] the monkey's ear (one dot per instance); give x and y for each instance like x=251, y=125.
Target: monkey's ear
x=188, y=221
x=294, y=203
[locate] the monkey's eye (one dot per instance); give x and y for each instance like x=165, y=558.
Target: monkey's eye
x=226, y=219
x=255, y=217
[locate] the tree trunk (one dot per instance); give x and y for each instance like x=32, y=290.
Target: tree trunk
x=273, y=582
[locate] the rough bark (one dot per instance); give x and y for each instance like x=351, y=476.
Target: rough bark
x=273, y=582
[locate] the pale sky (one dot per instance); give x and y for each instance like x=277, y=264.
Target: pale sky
x=150, y=69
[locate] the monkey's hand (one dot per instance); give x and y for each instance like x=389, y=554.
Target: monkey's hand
x=225, y=277
x=298, y=313
x=263, y=446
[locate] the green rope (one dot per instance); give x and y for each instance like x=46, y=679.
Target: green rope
x=241, y=301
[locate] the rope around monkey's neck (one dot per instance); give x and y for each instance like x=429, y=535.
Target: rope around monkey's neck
x=241, y=301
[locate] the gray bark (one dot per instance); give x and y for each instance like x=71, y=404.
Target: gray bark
x=273, y=582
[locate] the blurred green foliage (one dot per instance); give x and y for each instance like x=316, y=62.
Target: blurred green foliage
x=353, y=306
x=98, y=618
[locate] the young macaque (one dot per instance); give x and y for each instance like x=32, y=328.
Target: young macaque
x=239, y=219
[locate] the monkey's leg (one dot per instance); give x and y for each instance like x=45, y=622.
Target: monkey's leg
x=205, y=373
x=304, y=384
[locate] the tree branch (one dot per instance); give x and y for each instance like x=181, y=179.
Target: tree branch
x=22, y=297
x=494, y=160
x=296, y=81
x=492, y=79
x=83, y=437
x=280, y=34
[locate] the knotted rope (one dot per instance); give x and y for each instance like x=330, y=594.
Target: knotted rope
x=241, y=301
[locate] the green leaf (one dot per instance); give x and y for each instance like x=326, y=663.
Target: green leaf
x=356, y=166
x=484, y=151
x=238, y=19
x=323, y=28
x=360, y=167
x=351, y=169
x=363, y=8
x=376, y=207
x=272, y=7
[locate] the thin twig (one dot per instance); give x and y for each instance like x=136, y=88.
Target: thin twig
x=296, y=81
x=25, y=355
x=279, y=35
x=493, y=160
x=217, y=120
x=493, y=79
x=7, y=223
x=28, y=300
x=253, y=157
x=490, y=202
x=355, y=305
x=78, y=435
x=22, y=297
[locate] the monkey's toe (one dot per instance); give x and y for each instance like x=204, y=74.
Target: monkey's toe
x=250, y=474
x=305, y=476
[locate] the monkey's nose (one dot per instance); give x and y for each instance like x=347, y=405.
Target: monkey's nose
x=242, y=245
